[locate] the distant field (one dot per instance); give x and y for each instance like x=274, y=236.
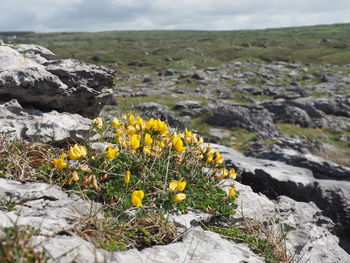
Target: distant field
x=145, y=51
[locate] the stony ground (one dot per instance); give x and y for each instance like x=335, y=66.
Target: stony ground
x=286, y=125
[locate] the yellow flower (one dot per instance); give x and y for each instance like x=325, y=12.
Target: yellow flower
x=188, y=136
x=178, y=144
x=179, y=197
x=232, y=192
x=131, y=130
x=175, y=185
x=232, y=173
x=131, y=119
x=218, y=159
x=140, y=124
x=210, y=157
x=119, y=131
x=116, y=122
x=111, y=152
x=60, y=163
x=148, y=139
x=222, y=174
x=200, y=141
x=98, y=122
x=127, y=177
x=198, y=155
x=158, y=126
x=202, y=149
x=75, y=176
x=136, y=197
x=147, y=150
x=135, y=141
x=76, y=152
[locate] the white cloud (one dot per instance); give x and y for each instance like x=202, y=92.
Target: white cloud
x=98, y=15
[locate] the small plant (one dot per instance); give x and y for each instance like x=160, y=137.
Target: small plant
x=259, y=245
x=15, y=246
x=147, y=166
x=8, y=205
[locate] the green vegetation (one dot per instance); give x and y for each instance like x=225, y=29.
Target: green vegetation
x=8, y=205
x=338, y=150
x=15, y=245
x=145, y=51
x=260, y=246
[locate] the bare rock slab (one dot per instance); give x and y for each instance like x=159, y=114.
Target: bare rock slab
x=18, y=122
x=68, y=85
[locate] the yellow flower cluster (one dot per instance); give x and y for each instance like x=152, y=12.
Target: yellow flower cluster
x=147, y=140
x=76, y=152
x=175, y=186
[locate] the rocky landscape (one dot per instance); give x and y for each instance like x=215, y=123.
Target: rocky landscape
x=296, y=186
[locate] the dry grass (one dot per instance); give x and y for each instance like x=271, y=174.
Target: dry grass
x=272, y=234
x=336, y=155
x=114, y=235
x=25, y=161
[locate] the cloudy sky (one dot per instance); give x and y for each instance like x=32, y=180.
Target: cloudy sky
x=104, y=15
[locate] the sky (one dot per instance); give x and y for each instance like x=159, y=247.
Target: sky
x=107, y=15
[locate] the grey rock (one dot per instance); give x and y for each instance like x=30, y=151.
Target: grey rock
x=199, y=75
x=219, y=133
x=62, y=85
x=321, y=168
x=296, y=113
x=308, y=234
x=42, y=206
x=275, y=178
x=55, y=213
x=201, y=246
x=251, y=117
x=36, y=50
x=189, y=108
x=337, y=105
x=187, y=104
x=27, y=123
x=167, y=73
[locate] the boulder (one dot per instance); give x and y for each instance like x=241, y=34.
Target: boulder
x=298, y=229
x=251, y=117
x=27, y=50
x=286, y=111
x=336, y=105
x=189, y=107
x=308, y=234
x=62, y=85
x=275, y=178
x=29, y=123
x=296, y=153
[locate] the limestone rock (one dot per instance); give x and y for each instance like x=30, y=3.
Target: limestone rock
x=36, y=50
x=62, y=85
x=27, y=123
x=251, y=117
x=275, y=178
x=197, y=246
x=297, y=114
x=308, y=233
x=294, y=152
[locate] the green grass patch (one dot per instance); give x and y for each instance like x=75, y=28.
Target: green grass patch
x=259, y=246
x=15, y=245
